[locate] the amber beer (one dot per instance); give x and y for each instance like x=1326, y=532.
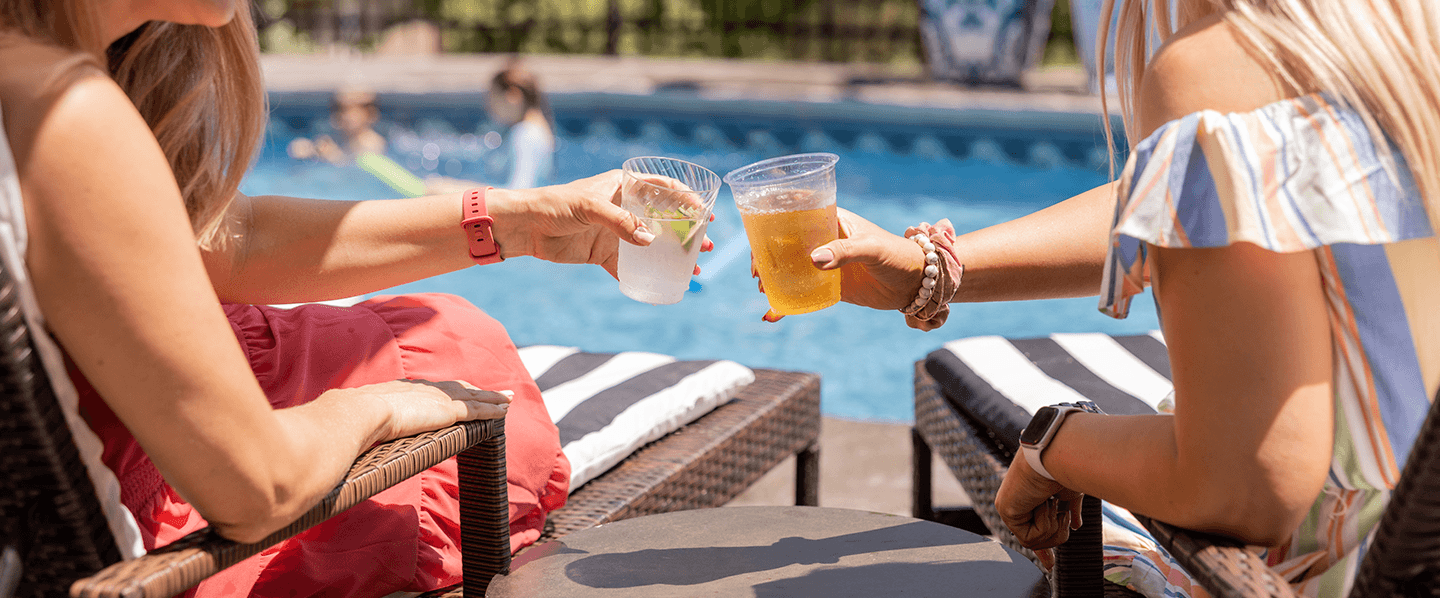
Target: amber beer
x=781, y=241
x=788, y=207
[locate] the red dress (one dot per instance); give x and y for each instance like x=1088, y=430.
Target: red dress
x=407, y=537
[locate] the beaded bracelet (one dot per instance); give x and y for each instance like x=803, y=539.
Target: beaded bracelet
x=932, y=271
x=941, y=276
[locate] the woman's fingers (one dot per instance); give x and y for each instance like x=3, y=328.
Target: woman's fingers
x=493, y=397
x=1073, y=507
x=863, y=251
x=770, y=315
x=1047, y=558
x=473, y=410
x=473, y=403
x=1049, y=526
x=1037, y=510
x=624, y=224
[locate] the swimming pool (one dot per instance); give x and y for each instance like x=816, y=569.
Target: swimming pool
x=897, y=166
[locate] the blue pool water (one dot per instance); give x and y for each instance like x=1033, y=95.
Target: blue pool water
x=897, y=167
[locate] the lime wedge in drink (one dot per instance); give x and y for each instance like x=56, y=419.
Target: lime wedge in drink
x=677, y=221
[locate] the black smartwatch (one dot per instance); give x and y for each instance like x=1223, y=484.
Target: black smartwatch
x=1042, y=429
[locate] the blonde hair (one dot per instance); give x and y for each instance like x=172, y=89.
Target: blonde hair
x=199, y=89
x=1381, y=57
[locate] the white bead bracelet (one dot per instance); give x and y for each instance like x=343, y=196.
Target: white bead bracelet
x=932, y=271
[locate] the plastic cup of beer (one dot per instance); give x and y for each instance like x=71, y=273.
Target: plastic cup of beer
x=787, y=205
x=673, y=198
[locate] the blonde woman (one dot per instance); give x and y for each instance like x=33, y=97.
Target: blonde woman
x=1280, y=200
x=130, y=125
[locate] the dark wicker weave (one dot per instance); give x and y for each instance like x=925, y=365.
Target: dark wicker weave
x=48, y=509
x=1220, y=564
x=485, y=516
x=979, y=461
x=708, y=462
x=1403, y=559
x=712, y=460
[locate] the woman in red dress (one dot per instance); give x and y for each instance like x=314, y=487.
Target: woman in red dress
x=131, y=124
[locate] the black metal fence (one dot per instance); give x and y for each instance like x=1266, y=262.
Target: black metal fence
x=882, y=31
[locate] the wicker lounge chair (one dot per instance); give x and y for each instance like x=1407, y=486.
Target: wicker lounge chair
x=1403, y=560
x=54, y=538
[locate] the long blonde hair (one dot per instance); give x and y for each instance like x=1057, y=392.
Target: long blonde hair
x=1381, y=57
x=199, y=89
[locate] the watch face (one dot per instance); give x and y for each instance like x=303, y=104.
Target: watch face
x=1035, y=431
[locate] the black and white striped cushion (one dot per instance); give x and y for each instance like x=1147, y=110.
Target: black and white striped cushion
x=1000, y=382
x=609, y=404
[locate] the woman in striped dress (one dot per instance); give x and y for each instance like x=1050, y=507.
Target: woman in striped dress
x=1280, y=200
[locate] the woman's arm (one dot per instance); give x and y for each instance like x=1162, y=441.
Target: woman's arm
x=1056, y=252
x=292, y=250
x=1248, y=448
x=118, y=276
x=1249, y=339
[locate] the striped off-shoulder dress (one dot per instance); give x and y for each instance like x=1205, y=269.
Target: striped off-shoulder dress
x=1302, y=174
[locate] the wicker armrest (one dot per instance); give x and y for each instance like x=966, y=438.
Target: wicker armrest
x=484, y=512
x=1220, y=564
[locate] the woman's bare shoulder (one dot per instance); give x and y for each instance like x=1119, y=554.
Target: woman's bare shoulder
x=36, y=77
x=1205, y=66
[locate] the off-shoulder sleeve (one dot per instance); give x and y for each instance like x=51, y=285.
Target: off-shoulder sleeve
x=1291, y=176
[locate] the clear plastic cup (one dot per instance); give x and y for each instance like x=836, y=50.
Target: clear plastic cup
x=673, y=198
x=787, y=205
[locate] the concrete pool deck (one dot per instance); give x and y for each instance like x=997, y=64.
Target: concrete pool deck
x=1051, y=89
x=864, y=464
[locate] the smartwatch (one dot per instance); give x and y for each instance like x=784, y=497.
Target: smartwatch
x=478, y=227
x=1042, y=429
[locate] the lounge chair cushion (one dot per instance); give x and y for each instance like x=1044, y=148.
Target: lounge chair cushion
x=607, y=405
x=1000, y=382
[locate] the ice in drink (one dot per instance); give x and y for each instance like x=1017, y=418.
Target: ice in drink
x=673, y=199
x=783, y=229
x=659, y=273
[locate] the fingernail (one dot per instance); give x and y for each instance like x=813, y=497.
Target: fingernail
x=508, y=393
x=644, y=236
x=822, y=256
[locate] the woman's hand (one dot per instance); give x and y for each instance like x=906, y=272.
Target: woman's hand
x=878, y=269
x=1039, y=511
x=421, y=406
x=574, y=223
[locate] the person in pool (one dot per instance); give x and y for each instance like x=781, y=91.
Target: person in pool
x=517, y=104
x=1281, y=200
x=353, y=115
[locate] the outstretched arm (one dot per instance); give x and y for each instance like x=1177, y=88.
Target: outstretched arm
x=291, y=250
x=1056, y=252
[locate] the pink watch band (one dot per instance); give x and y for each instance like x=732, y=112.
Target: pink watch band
x=476, y=221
